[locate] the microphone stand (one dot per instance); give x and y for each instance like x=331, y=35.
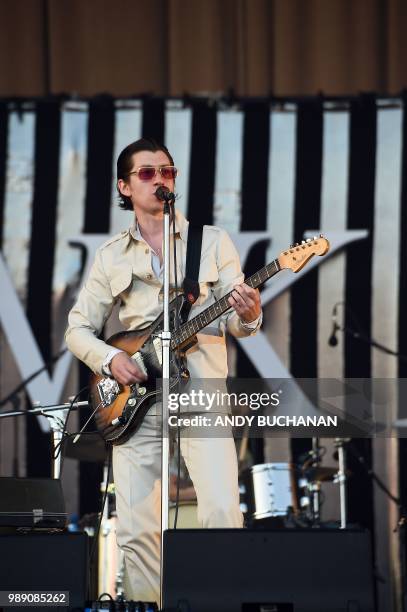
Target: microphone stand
x=166, y=347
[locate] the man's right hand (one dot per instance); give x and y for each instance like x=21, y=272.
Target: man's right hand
x=125, y=371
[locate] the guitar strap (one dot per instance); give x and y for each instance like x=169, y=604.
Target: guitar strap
x=191, y=285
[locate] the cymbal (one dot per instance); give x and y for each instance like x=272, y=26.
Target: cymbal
x=90, y=447
x=321, y=474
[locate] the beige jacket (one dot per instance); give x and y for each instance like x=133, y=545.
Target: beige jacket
x=122, y=272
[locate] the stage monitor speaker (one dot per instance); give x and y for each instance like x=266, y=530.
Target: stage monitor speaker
x=240, y=570
x=46, y=562
x=32, y=502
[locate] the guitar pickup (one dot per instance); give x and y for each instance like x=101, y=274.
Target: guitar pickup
x=158, y=347
x=108, y=390
x=138, y=358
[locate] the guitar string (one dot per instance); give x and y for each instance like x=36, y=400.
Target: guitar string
x=263, y=275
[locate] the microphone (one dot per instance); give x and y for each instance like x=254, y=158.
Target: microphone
x=333, y=340
x=164, y=194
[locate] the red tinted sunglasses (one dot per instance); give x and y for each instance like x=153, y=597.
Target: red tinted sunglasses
x=147, y=173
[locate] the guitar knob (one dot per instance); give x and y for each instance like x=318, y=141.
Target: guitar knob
x=131, y=401
x=185, y=373
x=142, y=390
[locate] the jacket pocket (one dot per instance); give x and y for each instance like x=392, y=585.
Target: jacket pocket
x=208, y=271
x=121, y=282
x=206, y=280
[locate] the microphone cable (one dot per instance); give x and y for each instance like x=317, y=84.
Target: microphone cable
x=177, y=323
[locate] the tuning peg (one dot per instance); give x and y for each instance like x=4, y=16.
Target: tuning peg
x=315, y=238
x=309, y=240
x=302, y=241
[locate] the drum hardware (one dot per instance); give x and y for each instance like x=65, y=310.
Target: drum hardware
x=304, y=500
x=244, y=508
x=322, y=474
x=313, y=474
x=315, y=489
x=318, y=474
x=342, y=478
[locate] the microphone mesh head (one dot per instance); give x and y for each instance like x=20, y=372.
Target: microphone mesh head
x=164, y=194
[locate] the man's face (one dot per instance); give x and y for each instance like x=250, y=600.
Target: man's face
x=142, y=192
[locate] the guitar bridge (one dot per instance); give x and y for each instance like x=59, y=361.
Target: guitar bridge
x=108, y=390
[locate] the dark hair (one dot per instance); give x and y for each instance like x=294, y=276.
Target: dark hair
x=125, y=163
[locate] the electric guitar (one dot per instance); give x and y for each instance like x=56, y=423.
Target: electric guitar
x=121, y=409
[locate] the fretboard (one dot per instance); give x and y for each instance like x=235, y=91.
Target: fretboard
x=192, y=327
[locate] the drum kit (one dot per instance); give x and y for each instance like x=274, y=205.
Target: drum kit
x=288, y=495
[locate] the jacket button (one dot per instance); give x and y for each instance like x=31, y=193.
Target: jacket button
x=149, y=276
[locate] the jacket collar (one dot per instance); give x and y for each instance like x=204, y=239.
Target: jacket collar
x=181, y=228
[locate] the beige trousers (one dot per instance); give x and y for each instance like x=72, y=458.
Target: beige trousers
x=212, y=466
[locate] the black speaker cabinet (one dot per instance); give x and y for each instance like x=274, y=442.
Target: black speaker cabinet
x=32, y=502
x=239, y=570
x=45, y=562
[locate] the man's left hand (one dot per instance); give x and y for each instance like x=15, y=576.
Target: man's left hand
x=246, y=302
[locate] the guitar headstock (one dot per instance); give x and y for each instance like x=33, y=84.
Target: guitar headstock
x=299, y=254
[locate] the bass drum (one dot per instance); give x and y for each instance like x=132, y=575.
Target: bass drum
x=187, y=516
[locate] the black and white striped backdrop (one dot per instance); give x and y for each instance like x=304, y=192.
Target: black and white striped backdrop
x=280, y=167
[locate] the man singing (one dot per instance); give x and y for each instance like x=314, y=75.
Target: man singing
x=128, y=269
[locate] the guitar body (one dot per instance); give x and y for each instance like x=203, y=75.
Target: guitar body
x=122, y=408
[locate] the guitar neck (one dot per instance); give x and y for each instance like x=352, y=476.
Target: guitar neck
x=192, y=327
